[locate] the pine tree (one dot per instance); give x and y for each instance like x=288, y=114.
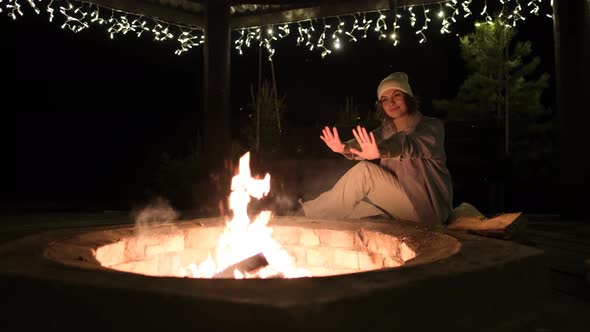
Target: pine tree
x=503, y=92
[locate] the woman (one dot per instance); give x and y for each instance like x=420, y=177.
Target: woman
x=411, y=181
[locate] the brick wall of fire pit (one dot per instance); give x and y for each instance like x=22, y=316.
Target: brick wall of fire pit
x=162, y=251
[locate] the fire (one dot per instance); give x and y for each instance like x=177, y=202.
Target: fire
x=243, y=238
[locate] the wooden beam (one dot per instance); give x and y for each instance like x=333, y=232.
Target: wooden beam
x=217, y=97
x=326, y=8
x=156, y=10
x=318, y=2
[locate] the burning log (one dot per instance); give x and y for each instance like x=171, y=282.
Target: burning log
x=249, y=265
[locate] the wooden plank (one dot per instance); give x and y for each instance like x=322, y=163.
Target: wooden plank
x=158, y=11
x=190, y=13
x=332, y=2
x=323, y=10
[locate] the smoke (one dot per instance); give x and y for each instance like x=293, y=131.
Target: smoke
x=157, y=213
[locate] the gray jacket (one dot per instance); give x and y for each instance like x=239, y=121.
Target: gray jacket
x=416, y=155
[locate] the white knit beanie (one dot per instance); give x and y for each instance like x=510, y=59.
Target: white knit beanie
x=398, y=80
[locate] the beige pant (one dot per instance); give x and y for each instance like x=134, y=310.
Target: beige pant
x=365, y=190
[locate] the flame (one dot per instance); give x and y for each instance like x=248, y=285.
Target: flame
x=243, y=238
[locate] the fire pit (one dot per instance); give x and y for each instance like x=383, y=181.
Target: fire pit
x=323, y=247
x=243, y=248
x=316, y=275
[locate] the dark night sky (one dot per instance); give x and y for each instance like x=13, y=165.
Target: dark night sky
x=83, y=116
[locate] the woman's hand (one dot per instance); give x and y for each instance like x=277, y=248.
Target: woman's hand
x=368, y=144
x=332, y=140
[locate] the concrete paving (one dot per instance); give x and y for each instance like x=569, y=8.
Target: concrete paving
x=478, y=300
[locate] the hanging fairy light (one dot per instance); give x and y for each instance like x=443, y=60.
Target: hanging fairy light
x=240, y=41
x=381, y=25
x=501, y=15
x=50, y=11
x=336, y=34
x=445, y=21
x=366, y=25
x=355, y=26
x=454, y=11
x=14, y=9
x=320, y=45
x=516, y=16
x=466, y=9
x=139, y=26
x=284, y=31
x=80, y=15
x=412, y=17
x=395, y=26
x=187, y=41
x=425, y=26
x=35, y=8
x=484, y=13
x=267, y=42
x=75, y=24
x=309, y=36
x=252, y=34
x=95, y=16
x=535, y=9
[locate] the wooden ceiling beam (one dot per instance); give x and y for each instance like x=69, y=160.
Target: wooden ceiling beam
x=155, y=10
x=304, y=10
x=326, y=8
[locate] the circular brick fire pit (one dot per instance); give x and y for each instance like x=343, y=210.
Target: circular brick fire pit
x=368, y=274
x=322, y=247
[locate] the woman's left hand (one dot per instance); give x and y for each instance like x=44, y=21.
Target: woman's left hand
x=367, y=142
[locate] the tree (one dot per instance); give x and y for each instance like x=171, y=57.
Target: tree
x=503, y=92
x=348, y=113
x=267, y=114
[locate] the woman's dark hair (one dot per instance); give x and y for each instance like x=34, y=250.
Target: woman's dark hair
x=411, y=102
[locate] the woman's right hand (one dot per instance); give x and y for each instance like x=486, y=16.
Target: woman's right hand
x=332, y=139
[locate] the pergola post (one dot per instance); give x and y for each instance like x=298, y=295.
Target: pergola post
x=572, y=67
x=217, y=84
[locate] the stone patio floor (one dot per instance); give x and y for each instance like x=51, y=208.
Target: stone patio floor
x=566, y=244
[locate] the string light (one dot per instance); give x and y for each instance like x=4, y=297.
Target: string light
x=336, y=34
x=425, y=26
x=35, y=8
x=412, y=17
x=284, y=31
x=187, y=41
x=75, y=24
x=393, y=34
x=50, y=11
x=321, y=46
x=268, y=42
x=309, y=36
x=454, y=9
x=550, y=15
x=535, y=9
x=487, y=16
x=82, y=14
x=240, y=41
x=517, y=16
x=445, y=21
x=15, y=6
x=366, y=25
x=381, y=25
x=355, y=26
x=466, y=9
